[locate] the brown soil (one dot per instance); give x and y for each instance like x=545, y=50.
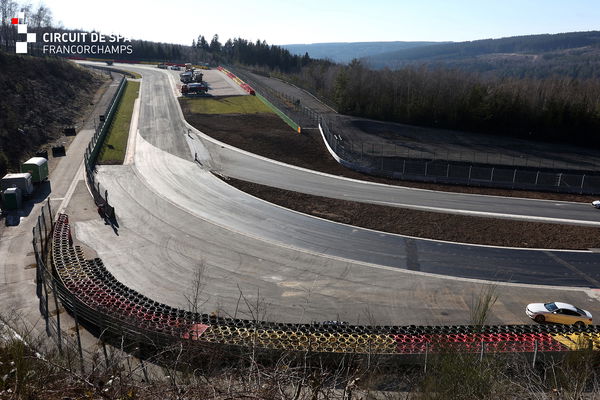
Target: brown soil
x=423, y=224
x=268, y=136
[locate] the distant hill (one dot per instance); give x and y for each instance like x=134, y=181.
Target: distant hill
x=346, y=52
x=575, y=54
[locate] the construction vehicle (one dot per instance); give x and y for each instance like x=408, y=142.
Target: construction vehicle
x=197, y=77
x=186, y=77
x=194, y=88
x=37, y=167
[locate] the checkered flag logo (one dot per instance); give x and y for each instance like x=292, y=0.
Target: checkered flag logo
x=22, y=28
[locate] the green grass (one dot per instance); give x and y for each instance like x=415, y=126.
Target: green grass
x=226, y=105
x=115, y=144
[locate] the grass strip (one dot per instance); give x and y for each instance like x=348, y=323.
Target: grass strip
x=115, y=144
x=226, y=105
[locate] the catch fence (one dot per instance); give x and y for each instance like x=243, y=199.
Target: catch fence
x=402, y=161
x=364, y=157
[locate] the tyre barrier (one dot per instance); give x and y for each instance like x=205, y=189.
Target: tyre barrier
x=94, y=291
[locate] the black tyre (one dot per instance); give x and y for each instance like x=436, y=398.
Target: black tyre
x=579, y=325
x=539, y=319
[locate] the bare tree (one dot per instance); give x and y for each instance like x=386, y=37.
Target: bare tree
x=197, y=285
x=42, y=17
x=8, y=10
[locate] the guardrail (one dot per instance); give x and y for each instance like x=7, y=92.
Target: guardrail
x=91, y=154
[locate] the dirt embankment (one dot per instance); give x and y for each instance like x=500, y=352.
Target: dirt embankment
x=38, y=98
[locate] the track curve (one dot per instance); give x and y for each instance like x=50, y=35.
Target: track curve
x=174, y=213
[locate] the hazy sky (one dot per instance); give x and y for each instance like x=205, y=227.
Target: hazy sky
x=313, y=21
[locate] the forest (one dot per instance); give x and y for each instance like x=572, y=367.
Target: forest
x=557, y=109
x=237, y=50
x=573, y=54
x=546, y=101
x=553, y=107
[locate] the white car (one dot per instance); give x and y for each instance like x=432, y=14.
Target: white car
x=596, y=203
x=560, y=313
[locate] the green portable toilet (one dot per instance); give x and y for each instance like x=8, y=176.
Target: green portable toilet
x=12, y=198
x=37, y=167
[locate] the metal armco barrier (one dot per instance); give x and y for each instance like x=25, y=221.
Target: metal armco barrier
x=91, y=154
x=92, y=293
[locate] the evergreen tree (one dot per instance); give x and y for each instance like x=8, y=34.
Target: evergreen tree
x=215, y=45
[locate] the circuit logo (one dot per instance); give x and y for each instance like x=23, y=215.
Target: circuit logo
x=21, y=47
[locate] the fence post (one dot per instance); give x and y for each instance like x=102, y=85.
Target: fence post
x=482, y=351
x=492, y=175
x=45, y=226
x=58, y=331
x=403, y=166
x=537, y=177
x=50, y=213
x=42, y=244
x=105, y=354
x=582, y=180
x=535, y=351
x=78, y=336
x=46, y=301
x=448, y=171
x=426, y=354
x=559, y=179
x=514, y=176
x=470, y=169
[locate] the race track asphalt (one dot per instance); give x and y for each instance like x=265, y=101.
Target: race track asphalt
x=177, y=219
